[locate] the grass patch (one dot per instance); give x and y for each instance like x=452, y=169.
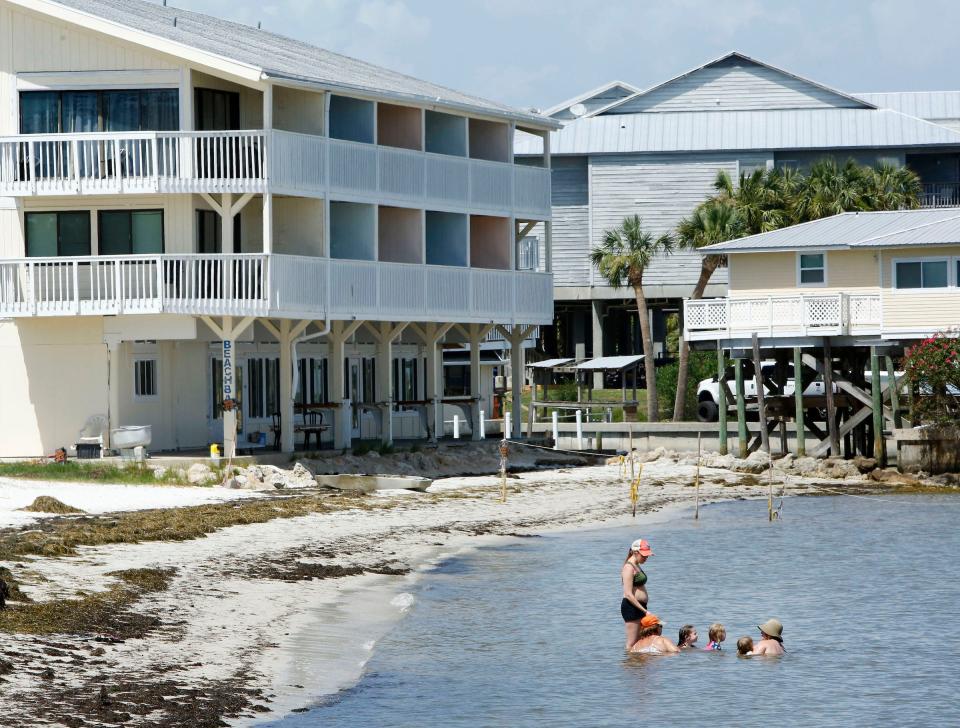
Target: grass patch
x=103, y=612
x=94, y=472
x=48, y=504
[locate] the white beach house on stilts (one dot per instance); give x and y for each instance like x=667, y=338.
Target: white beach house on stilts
x=216, y=231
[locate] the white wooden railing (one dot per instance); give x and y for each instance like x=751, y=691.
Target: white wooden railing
x=797, y=315
x=270, y=285
x=95, y=163
x=257, y=161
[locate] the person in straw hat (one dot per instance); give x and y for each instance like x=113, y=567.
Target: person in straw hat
x=771, y=638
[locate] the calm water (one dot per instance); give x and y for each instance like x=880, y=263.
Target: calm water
x=530, y=634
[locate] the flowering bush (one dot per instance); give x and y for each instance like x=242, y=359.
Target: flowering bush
x=932, y=370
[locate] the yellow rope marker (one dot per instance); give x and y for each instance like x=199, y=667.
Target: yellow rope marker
x=635, y=490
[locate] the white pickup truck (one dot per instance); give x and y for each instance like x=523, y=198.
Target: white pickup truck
x=708, y=391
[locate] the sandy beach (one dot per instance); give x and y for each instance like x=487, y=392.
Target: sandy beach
x=254, y=621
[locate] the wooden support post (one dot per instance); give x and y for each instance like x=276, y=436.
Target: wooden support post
x=894, y=387
x=798, y=402
x=876, y=390
x=828, y=391
x=696, y=510
x=761, y=404
x=722, y=414
x=741, y=408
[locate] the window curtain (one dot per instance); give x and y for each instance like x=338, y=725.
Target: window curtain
x=39, y=112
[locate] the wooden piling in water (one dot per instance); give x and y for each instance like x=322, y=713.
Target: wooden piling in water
x=741, y=408
x=828, y=391
x=879, y=441
x=894, y=392
x=761, y=403
x=722, y=414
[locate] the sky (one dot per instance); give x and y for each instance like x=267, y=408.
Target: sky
x=537, y=53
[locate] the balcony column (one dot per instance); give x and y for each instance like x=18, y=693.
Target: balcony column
x=596, y=309
x=228, y=332
x=432, y=334
x=340, y=332
x=113, y=387
x=385, y=334
x=516, y=335
x=476, y=334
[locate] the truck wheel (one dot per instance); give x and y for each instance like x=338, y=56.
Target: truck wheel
x=707, y=411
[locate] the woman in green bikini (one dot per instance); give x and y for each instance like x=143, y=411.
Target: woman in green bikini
x=633, y=606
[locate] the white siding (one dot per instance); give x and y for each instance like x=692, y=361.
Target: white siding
x=570, y=222
x=736, y=85
x=662, y=189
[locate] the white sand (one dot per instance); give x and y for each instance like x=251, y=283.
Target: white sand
x=305, y=639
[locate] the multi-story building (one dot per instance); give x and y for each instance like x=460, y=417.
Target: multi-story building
x=203, y=223
x=656, y=153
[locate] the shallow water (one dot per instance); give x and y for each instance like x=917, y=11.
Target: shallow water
x=530, y=634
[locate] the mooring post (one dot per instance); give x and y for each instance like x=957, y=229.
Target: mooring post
x=798, y=400
x=828, y=390
x=894, y=392
x=504, y=454
x=761, y=404
x=630, y=435
x=879, y=441
x=555, y=417
x=741, y=407
x=722, y=400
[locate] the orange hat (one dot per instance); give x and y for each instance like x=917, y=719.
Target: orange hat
x=640, y=546
x=649, y=620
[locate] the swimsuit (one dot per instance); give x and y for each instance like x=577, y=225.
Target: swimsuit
x=627, y=610
x=711, y=645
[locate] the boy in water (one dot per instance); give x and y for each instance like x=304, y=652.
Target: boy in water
x=717, y=634
x=744, y=647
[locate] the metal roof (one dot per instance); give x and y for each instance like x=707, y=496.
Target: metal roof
x=900, y=228
x=594, y=92
x=276, y=56
x=549, y=363
x=611, y=362
x=742, y=130
x=923, y=104
x=860, y=101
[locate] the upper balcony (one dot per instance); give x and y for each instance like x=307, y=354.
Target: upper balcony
x=839, y=314
x=265, y=285
x=267, y=161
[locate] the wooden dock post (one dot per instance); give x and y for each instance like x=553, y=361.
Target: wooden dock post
x=798, y=399
x=894, y=392
x=722, y=414
x=761, y=404
x=876, y=389
x=696, y=511
x=741, y=408
x=828, y=390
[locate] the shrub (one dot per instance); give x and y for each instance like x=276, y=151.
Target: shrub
x=703, y=365
x=932, y=370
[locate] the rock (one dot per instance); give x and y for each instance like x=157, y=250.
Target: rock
x=864, y=464
x=301, y=477
x=98, y=652
x=891, y=476
x=755, y=463
x=200, y=474
x=806, y=465
x=838, y=469
x=233, y=483
x=159, y=472
x=715, y=460
x=785, y=462
x=6, y=667
x=659, y=453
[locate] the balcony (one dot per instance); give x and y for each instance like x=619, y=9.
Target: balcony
x=940, y=194
x=282, y=286
x=275, y=161
x=782, y=316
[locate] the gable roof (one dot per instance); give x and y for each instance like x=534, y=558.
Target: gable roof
x=260, y=54
x=852, y=230
x=597, y=93
x=716, y=131
x=736, y=55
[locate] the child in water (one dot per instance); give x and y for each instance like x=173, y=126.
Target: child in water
x=717, y=635
x=744, y=647
x=688, y=637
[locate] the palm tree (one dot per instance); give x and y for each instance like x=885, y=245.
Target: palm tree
x=890, y=187
x=713, y=221
x=622, y=256
x=759, y=197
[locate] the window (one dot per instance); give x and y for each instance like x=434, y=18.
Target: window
x=263, y=397
x=456, y=380
x=216, y=110
x=52, y=234
x=145, y=378
x=405, y=380
x=54, y=112
x=131, y=232
x=812, y=269
x=312, y=375
x=933, y=273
